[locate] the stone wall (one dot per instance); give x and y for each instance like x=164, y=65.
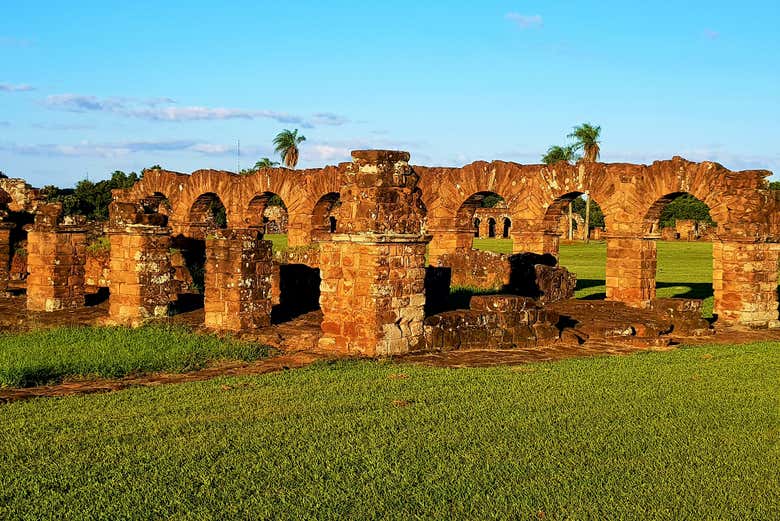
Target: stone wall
x=492, y=322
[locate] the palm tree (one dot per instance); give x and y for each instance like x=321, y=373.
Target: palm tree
x=265, y=163
x=556, y=154
x=586, y=138
x=286, y=145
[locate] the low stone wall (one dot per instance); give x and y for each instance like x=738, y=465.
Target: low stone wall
x=492, y=322
x=525, y=274
x=477, y=268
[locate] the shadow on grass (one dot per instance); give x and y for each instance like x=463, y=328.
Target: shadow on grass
x=699, y=290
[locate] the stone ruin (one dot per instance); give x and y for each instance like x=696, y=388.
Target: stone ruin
x=377, y=244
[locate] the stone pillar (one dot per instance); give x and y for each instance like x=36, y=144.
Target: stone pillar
x=372, y=290
x=299, y=229
x=141, y=274
x=56, y=259
x=5, y=254
x=745, y=281
x=631, y=266
x=238, y=280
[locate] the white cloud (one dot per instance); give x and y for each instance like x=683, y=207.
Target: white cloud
x=526, y=21
x=711, y=35
x=164, y=109
x=15, y=87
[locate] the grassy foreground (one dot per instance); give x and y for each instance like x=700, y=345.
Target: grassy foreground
x=45, y=356
x=684, y=268
x=688, y=434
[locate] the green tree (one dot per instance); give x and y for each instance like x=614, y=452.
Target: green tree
x=685, y=207
x=774, y=185
x=586, y=138
x=266, y=162
x=286, y=145
x=2, y=175
x=557, y=153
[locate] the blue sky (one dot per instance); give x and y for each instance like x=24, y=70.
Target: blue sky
x=91, y=87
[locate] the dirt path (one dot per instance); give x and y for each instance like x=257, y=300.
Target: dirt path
x=269, y=365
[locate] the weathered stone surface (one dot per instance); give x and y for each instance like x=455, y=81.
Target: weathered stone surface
x=238, y=281
x=372, y=292
x=141, y=286
x=492, y=322
x=55, y=260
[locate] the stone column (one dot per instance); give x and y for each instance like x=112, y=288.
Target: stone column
x=631, y=266
x=238, y=280
x=5, y=254
x=56, y=259
x=372, y=290
x=745, y=281
x=141, y=285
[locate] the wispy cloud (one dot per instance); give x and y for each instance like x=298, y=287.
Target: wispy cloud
x=62, y=126
x=8, y=41
x=5, y=124
x=526, y=21
x=15, y=87
x=165, y=109
x=711, y=34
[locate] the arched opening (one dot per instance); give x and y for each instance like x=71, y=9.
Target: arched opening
x=587, y=260
x=188, y=260
x=208, y=213
x=323, y=216
x=477, y=220
x=268, y=213
x=684, y=229
x=507, y=228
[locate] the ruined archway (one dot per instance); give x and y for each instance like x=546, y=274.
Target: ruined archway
x=685, y=272
x=207, y=213
x=478, y=217
x=586, y=261
x=268, y=213
x=507, y=227
x=324, y=218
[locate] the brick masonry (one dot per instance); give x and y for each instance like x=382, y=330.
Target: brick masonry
x=372, y=290
x=141, y=286
x=55, y=260
x=237, y=280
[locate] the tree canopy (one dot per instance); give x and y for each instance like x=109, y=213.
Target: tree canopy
x=90, y=199
x=557, y=153
x=685, y=207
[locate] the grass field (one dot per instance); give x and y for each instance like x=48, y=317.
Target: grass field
x=684, y=268
x=687, y=434
x=46, y=356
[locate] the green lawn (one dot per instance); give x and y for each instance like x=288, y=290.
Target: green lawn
x=684, y=268
x=278, y=240
x=46, y=356
x=687, y=434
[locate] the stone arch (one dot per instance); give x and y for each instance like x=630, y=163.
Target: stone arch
x=324, y=218
x=267, y=211
x=491, y=228
x=477, y=222
x=206, y=213
x=507, y=227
